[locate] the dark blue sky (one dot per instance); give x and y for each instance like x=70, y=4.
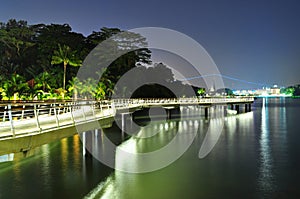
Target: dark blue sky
x=257, y=40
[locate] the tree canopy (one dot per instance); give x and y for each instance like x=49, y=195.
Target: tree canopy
x=35, y=54
x=35, y=60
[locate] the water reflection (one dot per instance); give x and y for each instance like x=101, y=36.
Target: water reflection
x=230, y=171
x=151, y=150
x=45, y=167
x=266, y=178
x=149, y=138
x=76, y=148
x=127, y=185
x=64, y=152
x=282, y=120
x=240, y=124
x=273, y=133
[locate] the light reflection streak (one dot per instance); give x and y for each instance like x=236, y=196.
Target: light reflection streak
x=283, y=119
x=17, y=174
x=95, y=147
x=64, y=153
x=119, y=184
x=46, y=165
x=84, y=167
x=83, y=137
x=107, y=188
x=131, y=153
x=76, y=148
x=266, y=160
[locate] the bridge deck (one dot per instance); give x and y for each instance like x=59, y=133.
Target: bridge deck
x=24, y=127
x=16, y=123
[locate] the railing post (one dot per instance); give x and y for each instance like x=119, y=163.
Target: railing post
x=56, y=118
x=36, y=115
x=71, y=112
x=50, y=110
x=82, y=108
x=4, y=115
x=38, y=110
x=101, y=109
x=93, y=108
x=113, y=108
x=22, y=115
x=11, y=120
x=58, y=109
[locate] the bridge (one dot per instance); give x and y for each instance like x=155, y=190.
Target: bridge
x=25, y=125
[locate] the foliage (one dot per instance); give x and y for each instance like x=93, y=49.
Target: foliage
x=31, y=57
x=224, y=91
x=66, y=56
x=201, y=91
x=288, y=91
x=297, y=90
x=14, y=88
x=16, y=47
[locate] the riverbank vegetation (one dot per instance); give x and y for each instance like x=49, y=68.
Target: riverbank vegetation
x=40, y=61
x=293, y=91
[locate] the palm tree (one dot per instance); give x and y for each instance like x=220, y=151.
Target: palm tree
x=74, y=86
x=88, y=89
x=65, y=55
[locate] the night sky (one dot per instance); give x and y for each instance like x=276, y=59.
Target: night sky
x=255, y=40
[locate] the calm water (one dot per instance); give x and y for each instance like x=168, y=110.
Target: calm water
x=256, y=156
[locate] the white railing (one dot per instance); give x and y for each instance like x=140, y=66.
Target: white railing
x=178, y=101
x=22, y=118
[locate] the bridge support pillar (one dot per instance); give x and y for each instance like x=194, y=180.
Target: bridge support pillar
x=86, y=138
x=206, y=112
x=247, y=108
x=123, y=125
x=168, y=111
x=237, y=108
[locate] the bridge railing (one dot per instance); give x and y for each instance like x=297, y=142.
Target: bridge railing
x=158, y=101
x=19, y=118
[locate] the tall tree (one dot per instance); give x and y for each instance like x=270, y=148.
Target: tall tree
x=121, y=51
x=47, y=37
x=16, y=47
x=66, y=56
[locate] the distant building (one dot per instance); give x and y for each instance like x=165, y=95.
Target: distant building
x=244, y=92
x=263, y=92
x=275, y=90
x=212, y=90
